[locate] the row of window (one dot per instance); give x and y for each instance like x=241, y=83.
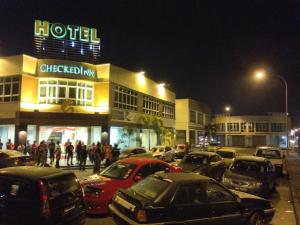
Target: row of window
x=125, y=98
x=198, y=117
x=55, y=91
x=9, y=89
x=249, y=127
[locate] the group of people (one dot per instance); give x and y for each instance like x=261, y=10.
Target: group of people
x=97, y=153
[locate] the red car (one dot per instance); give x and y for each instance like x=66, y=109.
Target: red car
x=99, y=189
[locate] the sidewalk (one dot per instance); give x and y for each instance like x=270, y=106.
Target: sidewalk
x=293, y=169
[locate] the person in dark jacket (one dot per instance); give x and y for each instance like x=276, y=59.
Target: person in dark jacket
x=57, y=154
x=51, y=151
x=70, y=150
x=83, y=156
x=98, y=158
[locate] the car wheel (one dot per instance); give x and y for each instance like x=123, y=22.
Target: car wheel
x=256, y=219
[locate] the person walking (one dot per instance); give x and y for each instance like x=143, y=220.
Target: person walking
x=51, y=150
x=27, y=149
x=186, y=148
x=67, y=143
x=78, y=151
x=115, y=152
x=9, y=145
x=43, y=153
x=83, y=156
x=1, y=144
x=108, y=155
x=57, y=154
x=70, y=150
x=34, y=150
x=97, y=159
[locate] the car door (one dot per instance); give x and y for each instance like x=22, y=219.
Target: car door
x=224, y=208
x=168, y=154
x=189, y=205
x=216, y=167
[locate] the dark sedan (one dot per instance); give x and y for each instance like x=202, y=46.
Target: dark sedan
x=206, y=163
x=252, y=174
x=187, y=198
x=9, y=158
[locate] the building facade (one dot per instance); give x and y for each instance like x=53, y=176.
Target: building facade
x=252, y=131
x=191, y=119
x=43, y=99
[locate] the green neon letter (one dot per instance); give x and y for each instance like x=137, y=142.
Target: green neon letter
x=41, y=28
x=94, y=38
x=58, y=30
x=73, y=31
x=84, y=34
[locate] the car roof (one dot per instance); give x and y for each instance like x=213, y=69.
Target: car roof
x=251, y=158
x=268, y=148
x=206, y=153
x=182, y=177
x=140, y=160
x=32, y=172
x=225, y=150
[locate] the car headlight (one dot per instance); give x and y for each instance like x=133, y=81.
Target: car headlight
x=256, y=184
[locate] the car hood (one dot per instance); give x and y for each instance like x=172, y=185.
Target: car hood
x=154, y=154
x=190, y=167
x=241, y=176
x=99, y=181
x=246, y=196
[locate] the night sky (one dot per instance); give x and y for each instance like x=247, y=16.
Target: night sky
x=205, y=50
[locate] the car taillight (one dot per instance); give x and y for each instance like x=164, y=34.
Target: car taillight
x=141, y=216
x=45, y=209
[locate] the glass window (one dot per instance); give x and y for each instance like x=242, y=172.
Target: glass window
x=190, y=194
x=234, y=127
x=119, y=170
x=62, y=92
x=15, y=89
x=215, y=158
x=144, y=171
x=125, y=98
x=157, y=167
x=216, y=193
x=7, y=89
x=195, y=159
x=262, y=127
x=275, y=127
x=168, y=110
x=150, y=105
x=200, y=118
x=72, y=92
x=192, y=116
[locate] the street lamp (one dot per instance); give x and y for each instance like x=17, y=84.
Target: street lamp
x=259, y=75
x=228, y=125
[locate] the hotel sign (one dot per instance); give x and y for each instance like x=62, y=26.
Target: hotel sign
x=61, y=31
x=69, y=69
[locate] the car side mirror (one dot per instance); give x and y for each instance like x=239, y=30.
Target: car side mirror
x=137, y=178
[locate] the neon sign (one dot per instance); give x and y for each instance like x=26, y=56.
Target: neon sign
x=61, y=31
x=66, y=69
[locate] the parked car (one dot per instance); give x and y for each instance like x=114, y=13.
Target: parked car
x=165, y=153
x=9, y=158
x=130, y=152
x=212, y=147
x=227, y=154
x=39, y=195
x=99, y=189
x=179, y=151
x=206, y=163
x=252, y=174
x=187, y=198
x=275, y=155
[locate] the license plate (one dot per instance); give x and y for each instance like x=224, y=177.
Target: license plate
x=124, y=203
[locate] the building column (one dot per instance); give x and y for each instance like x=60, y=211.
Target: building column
x=20, y=134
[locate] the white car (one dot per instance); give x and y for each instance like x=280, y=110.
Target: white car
x=275, y=155
x=165, y=153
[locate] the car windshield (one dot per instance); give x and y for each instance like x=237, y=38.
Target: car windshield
x=195, y=159
x=227, y=155
x=150, y=187
x=269, y=153
x=157, y=149
x=248, y=166
x=119, y=170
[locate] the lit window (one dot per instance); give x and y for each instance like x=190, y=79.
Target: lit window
x=9, y=89
x=125, y=98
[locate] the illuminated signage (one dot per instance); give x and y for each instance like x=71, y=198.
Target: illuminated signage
x=67, y=69
x=61, y=31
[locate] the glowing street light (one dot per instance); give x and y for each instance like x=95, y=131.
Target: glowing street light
x=260, y=75
x=227, y=108
x=141, y=78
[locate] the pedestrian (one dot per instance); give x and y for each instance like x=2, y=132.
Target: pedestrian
x=21, y=148
x=108, y=155
x=27, y=149
x=34, y=150
x=57, y=154
x=67, y=143
x=78, y=151
x=9, y=145
x=43, y=153
x=70, y=150
x=186, y=148
x=83, y=156
x=51, y=150
x=1, y=144
x=115, y=152
x=97, y=159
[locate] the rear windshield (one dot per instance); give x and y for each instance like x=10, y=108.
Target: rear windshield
x=269, y=153
x=119, y=170
x=248, y=166
x=64, y=184
x=195, y=159
x=157, y=149
x=227, y=155
x=150, y=187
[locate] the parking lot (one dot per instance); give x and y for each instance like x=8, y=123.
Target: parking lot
x=281, y=200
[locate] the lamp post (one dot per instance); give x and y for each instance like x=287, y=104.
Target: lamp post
x=260, y=75
x=227, y=110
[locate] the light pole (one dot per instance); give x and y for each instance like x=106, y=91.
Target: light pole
x=260, y=75
x=227, y=110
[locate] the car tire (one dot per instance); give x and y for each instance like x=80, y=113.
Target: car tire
x=256, y=219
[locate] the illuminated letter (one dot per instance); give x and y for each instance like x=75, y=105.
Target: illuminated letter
x=94, y=38
x=73, y=31
x=41, y=28
x=84, y=34
x=60, y=68
x=42, y=68
x=58, y=30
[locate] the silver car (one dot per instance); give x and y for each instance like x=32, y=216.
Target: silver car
x=165, y=153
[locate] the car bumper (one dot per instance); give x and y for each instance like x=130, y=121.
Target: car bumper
x=120, y=219
x=96, y=206
x=269, y=213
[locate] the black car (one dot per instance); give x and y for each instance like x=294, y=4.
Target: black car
x=134, y=152
x=252, y=174
x=10, y=158
x=187, y=198
x=40, y=195
x=206, y=163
